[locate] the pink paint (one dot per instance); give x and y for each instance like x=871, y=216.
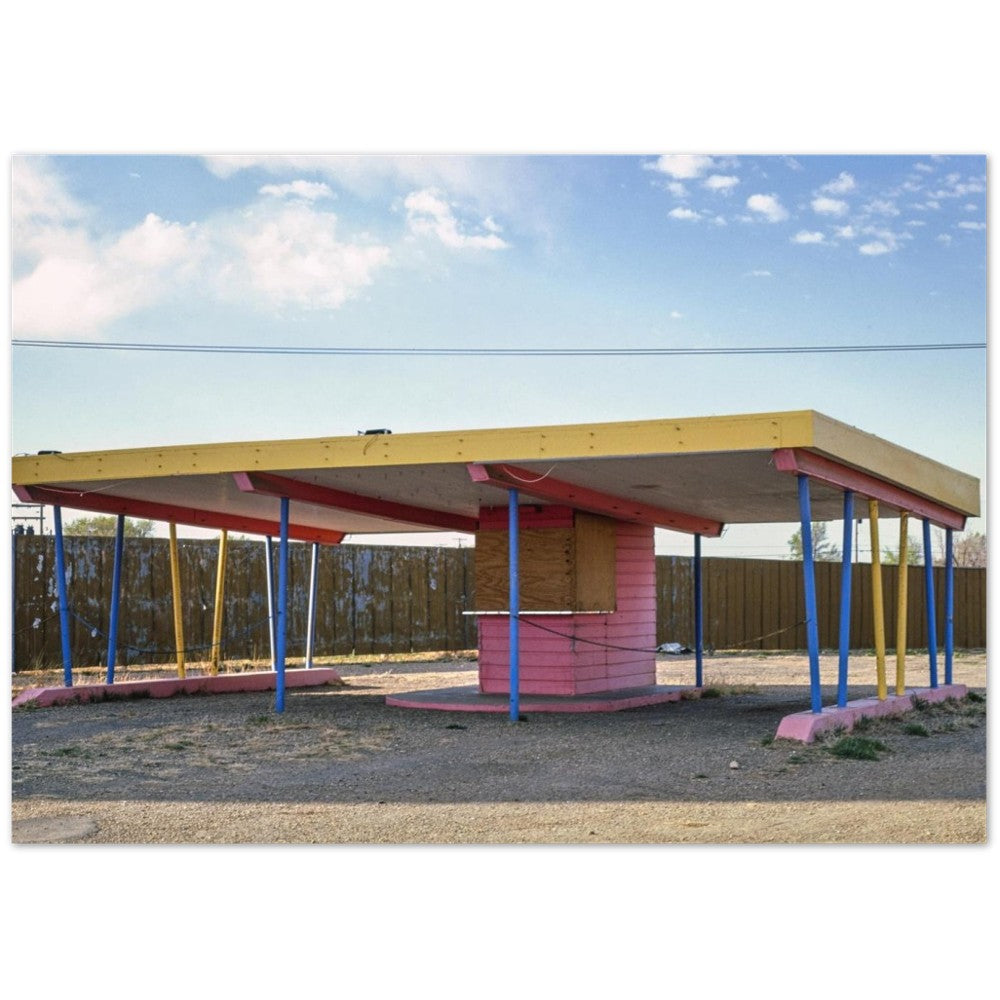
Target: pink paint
x=167, y=687
x=565, y=666
x=806, y=726
x=467, y=699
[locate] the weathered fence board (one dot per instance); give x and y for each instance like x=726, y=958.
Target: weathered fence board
x=411, y=599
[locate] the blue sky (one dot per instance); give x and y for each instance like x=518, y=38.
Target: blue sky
x=497, y=251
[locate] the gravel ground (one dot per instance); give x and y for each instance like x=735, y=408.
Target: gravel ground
x=339, y=766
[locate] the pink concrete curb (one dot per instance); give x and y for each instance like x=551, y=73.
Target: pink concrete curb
x=468, y=699
x=219, y=684
x=806, y=726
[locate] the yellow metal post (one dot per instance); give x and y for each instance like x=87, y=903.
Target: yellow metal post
x=220, y=586
x=878, y=612
x=904, y=572
x=175, y=579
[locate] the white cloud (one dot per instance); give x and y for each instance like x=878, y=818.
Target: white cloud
x=677, y=189
x=428, y=214
x=674, y=314
x=828, y=206
x=880, y=206
x=916, y=222
x=874, y=249
x=806, y=237
x=682, y=213
x=81, y=286
x=925, y=167
x=681, y=166
x=309, y=190
x=972, y=225
x=767, y=205
x=846, y=232
x=759, y=274
x=721, y=182
x=291, y=255
x=944, y=238
x=842, y=185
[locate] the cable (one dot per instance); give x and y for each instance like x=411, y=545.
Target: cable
x=513, y=352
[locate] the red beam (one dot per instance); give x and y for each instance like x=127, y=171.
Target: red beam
x=556, y=490
x=325, y=496
x=105, y=503
x=826, y=470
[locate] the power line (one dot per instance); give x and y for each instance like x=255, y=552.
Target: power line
x=512, y=352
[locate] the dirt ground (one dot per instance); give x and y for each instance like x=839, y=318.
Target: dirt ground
x=341, y=767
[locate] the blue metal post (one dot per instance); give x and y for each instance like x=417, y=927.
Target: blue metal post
x=282, y=624
x=515, y=605
x=67, y=653
x=698, y=624
x=845, y=600
x=809, y=579
x=13, y=602
x=929, y=601
x=269, y=570
x=311, y=627
x=116, y=586
x=949, y=603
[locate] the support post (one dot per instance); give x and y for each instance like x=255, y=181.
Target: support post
x=282, y=624
x=13, y=602
x=67, y=653
x=116, y=587
x=311, y=618
x=269, y=570
x=901, y=603
x=846, y=570
x=515, y=604
x=878, y=608
x=175, y=580
x=949, y=604
x=809, y=579
x=929, y=594
x=220, y=597
x=698, y=623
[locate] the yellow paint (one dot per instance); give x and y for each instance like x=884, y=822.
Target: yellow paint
x=878, y=613
x=750, y=432
x=220, y=585
x=896, y=465
x=175, y=580
x=904, y=539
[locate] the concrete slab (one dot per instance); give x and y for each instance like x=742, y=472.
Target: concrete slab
x=167, y=687
x=469, y=699
x=806, y=726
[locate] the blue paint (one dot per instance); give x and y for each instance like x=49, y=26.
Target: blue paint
x=282, y=624
x=269, y=570
x=515, y=605
x=846, y=570
x=698, y=624
x=67, y=654
x=313, y=583
x=809, y=579
x=116, y=587
x=929, y=604
x=13, y=602
x=949, y=603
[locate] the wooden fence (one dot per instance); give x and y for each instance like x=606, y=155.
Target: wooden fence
x=396, y=599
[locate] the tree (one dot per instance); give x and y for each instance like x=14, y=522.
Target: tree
x=823, y=550
x=914, y=553
x=107, y=524
x=970, y=550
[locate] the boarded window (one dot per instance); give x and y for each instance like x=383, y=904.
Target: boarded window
x=561, y=569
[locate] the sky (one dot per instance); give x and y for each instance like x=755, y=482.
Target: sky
x=483, y=251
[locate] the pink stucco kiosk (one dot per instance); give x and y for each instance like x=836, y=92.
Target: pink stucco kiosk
x=563, y=519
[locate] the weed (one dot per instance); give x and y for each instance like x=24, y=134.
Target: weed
x=857, y=748
x=863, y=723
x=767, y=741
x=796, y=758
x=699, y=775
x=915, y=729
x=176, y=746
x=260, y=720
x=975, y=696
x=920, y=705
x=712, y=692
